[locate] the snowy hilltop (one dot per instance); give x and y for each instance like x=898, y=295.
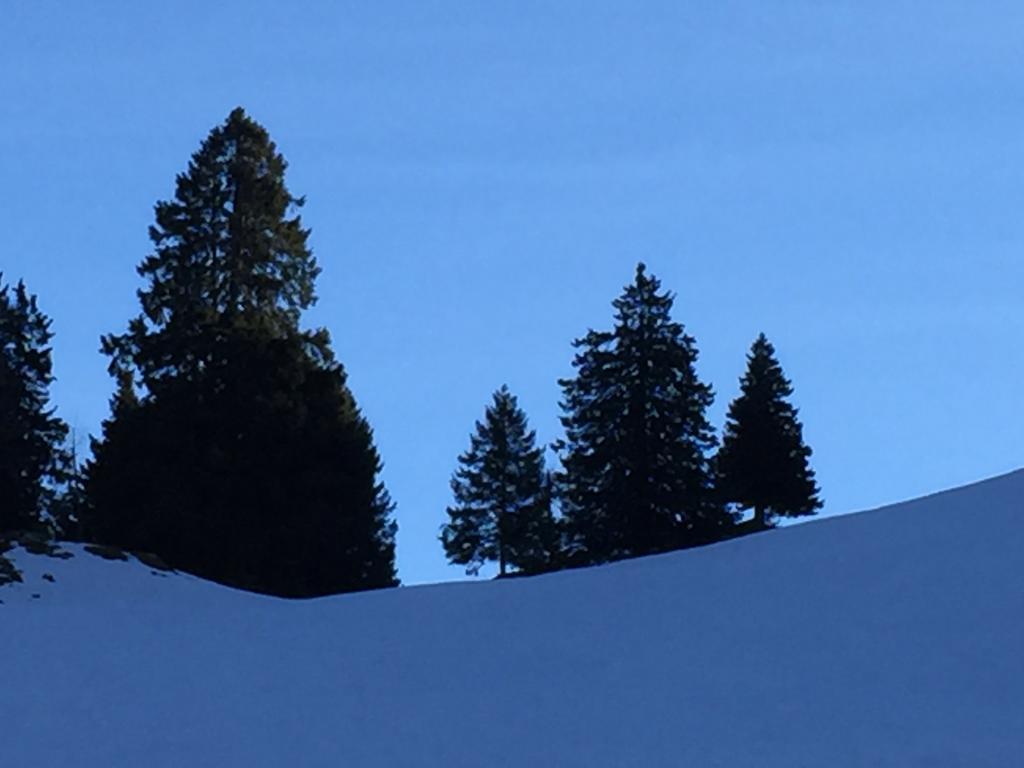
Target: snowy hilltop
x=887, y=638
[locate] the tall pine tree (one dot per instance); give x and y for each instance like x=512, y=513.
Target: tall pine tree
x=33, y=460
x=762, y=464
x=235, y=449
x=502, y=511
x=636, y=476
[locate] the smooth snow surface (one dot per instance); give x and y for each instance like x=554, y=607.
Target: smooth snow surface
x=889, y=638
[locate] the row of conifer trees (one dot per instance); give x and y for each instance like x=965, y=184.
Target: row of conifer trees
x=234, y=449
x=639, y=471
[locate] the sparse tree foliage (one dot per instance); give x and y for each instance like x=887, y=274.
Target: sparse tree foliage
x=762, y=464
x=636, y=476
x=33, y=461
x=502, y=506
x=234, y=449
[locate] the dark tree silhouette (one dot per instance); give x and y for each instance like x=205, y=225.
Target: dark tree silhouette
x=33, y=460
x=502, y=511
x=234, y=449
x=762, y=463
x=636, y=477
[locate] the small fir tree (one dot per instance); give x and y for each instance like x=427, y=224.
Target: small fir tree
x=762, y=464
x=70, y=498
x=636, y=477
x=502, y=506
x=33, y=460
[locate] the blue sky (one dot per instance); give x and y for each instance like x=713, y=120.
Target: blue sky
x=483, y=177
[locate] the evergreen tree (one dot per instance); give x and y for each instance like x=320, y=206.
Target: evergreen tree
x=66, y=507
x=536, y=539
x=234, y=449
x=33, y=461
x=636, y=477
x=502, y=510
x=762, y=463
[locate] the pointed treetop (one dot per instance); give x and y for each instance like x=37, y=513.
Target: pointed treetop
x=230, y=251
x=643, y=282
x=764, y=370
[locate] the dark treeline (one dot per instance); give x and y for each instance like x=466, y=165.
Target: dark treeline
x=234, y=449
x=640, y=473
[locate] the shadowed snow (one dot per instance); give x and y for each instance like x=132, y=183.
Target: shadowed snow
x=888, y=638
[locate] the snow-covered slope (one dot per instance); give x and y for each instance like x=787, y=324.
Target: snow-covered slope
x=889, y=638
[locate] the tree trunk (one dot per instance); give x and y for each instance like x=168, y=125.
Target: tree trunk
x=501, y=541
x=759, y=521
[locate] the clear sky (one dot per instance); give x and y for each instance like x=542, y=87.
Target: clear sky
x=482, y=178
